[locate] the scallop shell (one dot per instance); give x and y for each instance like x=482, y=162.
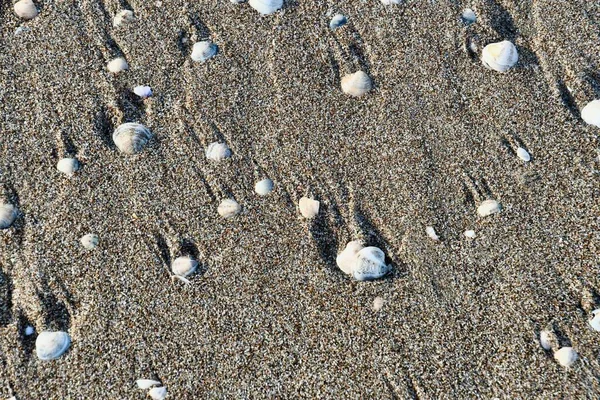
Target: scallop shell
x=131, y=137
x=266, y=7
x=356, y=84
x=264, y=187
x=566, y=356
x=488, y=207
x=309, y=208
x=468, y=16
x=595, y=321
x=8, y=214
x=523, y=154
x=158, y=393
x=500, y=56
x=545, y=340
x=591, y=113
x=25, y=9
x=370, y=264
x=346, y=260
x=470, y=234
x=117, y=65
x=90, y=241
x=68, y=165
x=146, y=383
x=229, y=208
x=122, y=17
x=143, y=91
x=203, y=51
x=218, y=151
x=337, y=21
x=378, y=303
x=184, y=266
x=431, y=233
x=51, y=345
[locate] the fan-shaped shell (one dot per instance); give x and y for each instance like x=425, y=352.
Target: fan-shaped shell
x=356, y=84
x=184, y=266
x=488, y=207
x=68, y=165
x=591, y=113
x=346, y=260
x=309, y=208
x=117, y=65
x=25, y=9
x=204, y=50
x=266, y=7
x=229, y=208
x=370, y=264
x=122, y=17
x=263, y=187
x=500, y=56
x=51, y=345
x=337, y=21
x=131, y=137
x=90, y=241
x=218, y=151
x=158, y=393
x=566, y=356
x=8, y=214
x=143, y=91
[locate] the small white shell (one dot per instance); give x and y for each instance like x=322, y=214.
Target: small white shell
x=266, y=7
x=370, y=264
x=68, y=165
x=29, y=330
x=591, y=113
x=309, y=208
x=488, y=207
x=356, y=84
x=90, y=241
x=51, y=345
x=146, y=383
x=391, y=2
x=8, y=214
x=468, y=16
x=117, y=65
x=263, y=187
x=218, y=151
x=143, y=91
x=566, y=356
x=595, y=321
x=123, y=16
x=523, y=154
x=337, y=21
x=229, y=208
x=184, y=266
x=545, y=339
x=25, y=9
x=158, y=393
x=470, y=234
x=431, y=233
x=203, y=51
x=500, y=56
x=346, y=260
x=378, y=303
x=131, y=137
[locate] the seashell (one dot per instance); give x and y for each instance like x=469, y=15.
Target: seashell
x=158, y=393
x=489, y=207
x=356, y=84
x=203, y=51
x=566, y=356
x=431, y=233
x=218, y=151
x=378, y=303
x=264, y=187
x=143, y=91
x=51, y=345
x=21, y=30
x=8, y=214
x=90, y=241
x=229, y=208
x=595, y=321
x=500, y=56
x=117, y=65
x=468, y=16
x=309, y=208
x=25, y=9
x=68, y=165
x=337, y=21
x=29, y=330
x=122, y=17
x=370, y=264
x=131, y=137
x=591, y=113
x=346, y=260
x=470, y=234
x=545, y=340
x=184, y=266
x=237, y=1
x=523, y=154
x=391, y=2
x=266, y=7
x=146, y=383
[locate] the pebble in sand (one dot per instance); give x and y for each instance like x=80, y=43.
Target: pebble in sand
x=362, y=263
x=218, y=151
x=309, y=208
x=123, y=17
x=591, y=113
x=68, y=166
x=90, y=241
x=266, y=7
x=8, y=214
x=500, y=56
x=25, y=9
x=356, y=84
x=203, y=51
x=229, y=208
x=131, y=137
x=488, y=207
x=117, y=65
x=263, y=187
x=51, y=345
x=566, y=356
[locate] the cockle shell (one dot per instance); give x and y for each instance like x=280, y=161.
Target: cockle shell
x=229, y=208
x=346, y=260
x=370, y=264
x=90, y=241
x=158, y=393
x=131, y=137
x=68, y=165
x=595, y=321
x=566, y=356
x=184, y=266
x=203, y=51
x=8, y=214
x=51, y=345
x=591, y=113
x=146, y=383
x=263, y=187
x=117, y=65
x=218, y=151
x=545, y=340
x=431, y=233
x=309, y=208
x=266, y=7
x=488, y=207
x=123, y=16
x=337, y=21
x=468, y=16
x=143, y=91
x=25, y=9
x=500, y=56
x=470, y=234
x=356, y=84
x=523, y=154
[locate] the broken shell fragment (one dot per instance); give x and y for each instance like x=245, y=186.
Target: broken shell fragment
x=263, y=187
x=146, y=383
x=184, y=266
x=229, y=208
x=488, y=207
x=370, y=264
x=545, y=340
x=337, y=21
x=143, y=91
x=431, y=233
x=266, y=7
x=158, y=393
x=117, y=65
x=90, y=241
x=68, y=166
x=591, y=113
x=566, y=356
x=218, y=151
x=202, y=51
x=347, y=258
x=309, y=208
x=500, y=56
x=122, y=17
x=523, y=154
x=470, y=234
x=595, y=321
x=131, y=137
x=8, y=214
x=51, y=345
x=356, y=84
x=25, y=9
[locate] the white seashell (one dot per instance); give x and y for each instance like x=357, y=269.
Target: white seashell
x=237, y=1
x=90, y=241
x=8, y=214
x=500, y=56
x=264, y=187
x=25, y=9
x=346, y=260
x=122, y=17
x=591, y=113
x=488, y=207
x=470, y=234
x=309, y=208
x=390, y=2
x=266, y=7
x=431, y=233
x=523, y=154
x=146, y=383
x=545, y=339
x=356, y=84
x=218, y=151
x=468, y=16
x=131, y=137
x=143, y=91
x=337, y=21
x=117, y=65
x=21, y=30
x=595, y=321
x=378, y=303
x=158, y=393
x=29, y=330
x=68, y=165
x=184, y=266
x=51, y=345
x=229, y=208
x=370, y=264
x=566, y=356
x=203, y=51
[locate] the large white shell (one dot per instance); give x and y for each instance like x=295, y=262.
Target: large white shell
x=488, y=207
x=356, y=84
x=591, y=113
x=51, y=345
x=8, y=214
x=566, y=356
x=25, y=9
x=500, y=56
x=523, y=154
x=90, y=241
x=158, y=393
x=143, y=91
x=337, y=21
x=68, y=165
x=263, y=187
x=204, y=50
x=309, y=208
x=218, y=151
x=266, y=7
x=131, y=137
x=346, y=260
x=229, y=208
x=545, y=340
x=595, y=321
x=370, y=264
x=117, y=65
x=146, y=383
x=184, y=266
x=122, y=17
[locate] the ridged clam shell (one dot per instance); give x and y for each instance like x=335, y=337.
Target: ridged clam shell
x=266, y=7
x=309, y=208
x=8, y=214
x=488, y=207
x=500, y=56
x=591, y=113
x=90, y=241
x=566, y=356
x=595, y=321
x=263, y=187
x=370, y=264
x=337, y=21
x=51, y=345
x=346, y=260
x=25, y=9
x=146, y=383
x=184, y=266
x=523, y=154
x=356, y=84
x=117, y=65
x=218, y=151
x=158, y=393
x=143, y=91
x=203, y=51
x=229, y=208
x=131, y=137
x=122, y=17
x=68, y=165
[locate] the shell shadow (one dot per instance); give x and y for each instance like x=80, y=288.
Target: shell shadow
x=592, y=78
x=188, y=247
x=183, y=42
x=125, y=5
x=133, y=107
x=561, y=337
x=28, y=342
x=567, y=99
x=201, y=30
x=55, y=312
x=6, y=303
x=69, y=146
x=506, y=144
x=163, y=247
x=527, y=58
x=104, y=127
x=325, y=237
x=13, y=197
x=502, y=22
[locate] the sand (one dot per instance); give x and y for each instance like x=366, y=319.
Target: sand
x=269, y=314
